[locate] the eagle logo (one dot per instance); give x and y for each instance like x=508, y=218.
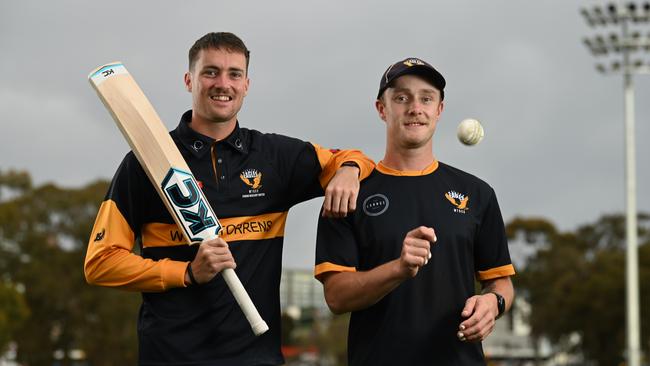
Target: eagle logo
x=459, y=200
x=413, y=61
x=252, y=178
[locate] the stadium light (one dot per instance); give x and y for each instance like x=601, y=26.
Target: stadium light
x=626, y=20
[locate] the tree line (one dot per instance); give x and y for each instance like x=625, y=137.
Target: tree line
x=574, y=281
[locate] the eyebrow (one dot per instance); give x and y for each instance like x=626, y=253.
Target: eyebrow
x=212, y=67
x=427, y=90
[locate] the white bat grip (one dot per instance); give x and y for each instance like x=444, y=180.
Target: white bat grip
x=257, y=323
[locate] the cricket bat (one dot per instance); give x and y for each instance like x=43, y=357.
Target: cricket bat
x=166, y=168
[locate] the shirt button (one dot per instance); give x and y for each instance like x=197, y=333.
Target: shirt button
x=223, y=177
x=219, y=160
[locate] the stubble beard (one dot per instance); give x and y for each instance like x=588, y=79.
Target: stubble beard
x=215, y=116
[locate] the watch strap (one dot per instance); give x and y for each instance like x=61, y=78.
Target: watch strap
x=501, y=304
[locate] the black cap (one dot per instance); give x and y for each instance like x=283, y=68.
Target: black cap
x=413, y=66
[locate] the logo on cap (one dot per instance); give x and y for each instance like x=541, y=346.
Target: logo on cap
x=413, y=61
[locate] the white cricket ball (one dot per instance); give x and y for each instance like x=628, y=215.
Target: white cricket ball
x=470, y=132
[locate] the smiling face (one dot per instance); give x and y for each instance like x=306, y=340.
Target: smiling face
x=218, y=83
x=411, y=108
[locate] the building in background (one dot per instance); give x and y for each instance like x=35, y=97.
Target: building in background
x=300, y=291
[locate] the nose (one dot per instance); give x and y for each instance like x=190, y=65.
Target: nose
x=415, y=108
x=221, y=81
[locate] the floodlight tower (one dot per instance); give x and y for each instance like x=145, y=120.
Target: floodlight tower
x=626, y=21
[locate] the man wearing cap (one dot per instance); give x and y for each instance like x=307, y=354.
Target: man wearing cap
x=405, y=263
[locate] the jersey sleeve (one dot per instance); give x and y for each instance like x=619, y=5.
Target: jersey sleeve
x=331, y=161
x=110, y=260
x=491, y=255
x=309, y=167
x=336, y=247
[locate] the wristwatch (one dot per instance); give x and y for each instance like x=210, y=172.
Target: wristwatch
x=350, y=163
x=501, y=304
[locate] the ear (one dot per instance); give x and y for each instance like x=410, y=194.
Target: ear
x=441, y=106
x=188, y=81
x=248, y=81
x=381, y=109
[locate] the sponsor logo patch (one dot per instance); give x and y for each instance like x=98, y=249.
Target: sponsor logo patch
x=458, y=200
x=253, y=179
x=190, y=205
x=375, y=205
x=100, y=235
x=248, y=227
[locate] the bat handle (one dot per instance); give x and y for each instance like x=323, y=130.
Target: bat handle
x=245, y=303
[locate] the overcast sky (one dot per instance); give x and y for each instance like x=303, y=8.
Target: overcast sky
x=554, y=126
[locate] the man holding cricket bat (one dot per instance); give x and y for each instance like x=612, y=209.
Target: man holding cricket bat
x=404, y=263
x=251, y=180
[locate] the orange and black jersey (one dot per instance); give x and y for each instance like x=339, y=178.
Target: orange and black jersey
x=251, y=180
x=416, y=324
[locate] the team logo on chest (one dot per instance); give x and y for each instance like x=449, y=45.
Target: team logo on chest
x=253, y=179
x=375, y=205
x=459, y=200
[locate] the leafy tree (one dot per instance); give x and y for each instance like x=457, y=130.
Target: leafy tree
x=332, y=338
x=575, y=283
x=288, y=324
x=43, y=236
x=13, y=309
x=13, y=312
x=15, y=179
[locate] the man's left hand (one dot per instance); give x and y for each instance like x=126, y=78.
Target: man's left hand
x=341, y=192
x=480, y=312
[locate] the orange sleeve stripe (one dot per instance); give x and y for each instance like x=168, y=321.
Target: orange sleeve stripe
x=330, y=162
x=325, y=267
x=497, y=272
x=111, y=262
x=324, y=155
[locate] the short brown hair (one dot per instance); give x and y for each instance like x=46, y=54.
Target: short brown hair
x=218, y=40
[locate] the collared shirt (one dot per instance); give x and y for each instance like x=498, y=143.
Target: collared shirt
x=416, y=323
x=251, y=180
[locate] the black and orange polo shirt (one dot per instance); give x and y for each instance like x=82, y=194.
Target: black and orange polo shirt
x=416, y=324
x=251, y=180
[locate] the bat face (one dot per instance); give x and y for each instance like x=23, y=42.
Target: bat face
x=190, y=206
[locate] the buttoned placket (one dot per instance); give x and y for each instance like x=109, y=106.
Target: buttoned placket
x=218, y=166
